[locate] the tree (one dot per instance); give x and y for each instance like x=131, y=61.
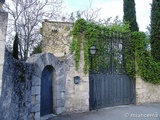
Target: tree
x=155, y=30
x=37, y=49
x=26, y=17
x=15, y=46
x=130, y=14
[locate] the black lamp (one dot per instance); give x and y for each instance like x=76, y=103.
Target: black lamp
x=93, y=50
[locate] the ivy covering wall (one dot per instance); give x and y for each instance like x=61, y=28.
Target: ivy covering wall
x=147, y=68
x=86, y=34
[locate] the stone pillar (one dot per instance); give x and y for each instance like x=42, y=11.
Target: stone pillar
x=3, y=27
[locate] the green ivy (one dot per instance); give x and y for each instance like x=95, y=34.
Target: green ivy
x=129, y=56
x=147, y=68
x=85, y=34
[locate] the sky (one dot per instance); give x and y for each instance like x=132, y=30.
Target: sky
x=113, y=8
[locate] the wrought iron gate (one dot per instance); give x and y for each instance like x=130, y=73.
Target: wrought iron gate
x=109, y=83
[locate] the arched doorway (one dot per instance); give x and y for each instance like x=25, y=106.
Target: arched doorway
x=46, y=105
x=42, y=63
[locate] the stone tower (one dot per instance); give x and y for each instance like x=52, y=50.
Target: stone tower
x=3, y=27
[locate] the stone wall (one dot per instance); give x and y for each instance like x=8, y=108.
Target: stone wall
x=16, y=89
x=146, y=92
x=3, y=27
x=77, y=95
x=21, y=87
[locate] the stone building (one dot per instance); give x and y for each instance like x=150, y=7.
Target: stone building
x=56, y=39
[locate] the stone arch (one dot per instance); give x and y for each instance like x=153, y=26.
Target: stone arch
x=40, y=61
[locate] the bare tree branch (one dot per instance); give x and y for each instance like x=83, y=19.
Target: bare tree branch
x=90, y=14
x=26, y=17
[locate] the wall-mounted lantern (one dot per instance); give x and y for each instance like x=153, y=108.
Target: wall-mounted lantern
x=76, y=80
x=92, y=50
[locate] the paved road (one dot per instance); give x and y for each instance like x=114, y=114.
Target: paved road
x=130, y=112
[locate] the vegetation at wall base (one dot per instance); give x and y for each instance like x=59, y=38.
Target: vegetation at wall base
x=148, y=69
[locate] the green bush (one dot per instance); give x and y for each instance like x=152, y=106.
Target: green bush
x=148, y=69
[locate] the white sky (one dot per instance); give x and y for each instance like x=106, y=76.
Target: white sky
x=113, y=8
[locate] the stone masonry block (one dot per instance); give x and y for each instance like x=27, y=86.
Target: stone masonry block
x=2, y=46
x=1, y=57
x=0, y=83
x=33, y=99
x=38, y=98
x=32, y=116
x=1, y=72
x=46, y=59
x=37, y=116
x=60, y=88
x=61, y=81
x=36, y=80
x=37, y=71
x=59, y=95
x=33, y=58
x=35, y=107
x=59, y=110
x=35, y=90
x=61, y=71
x=60, y=103
x=40, y=64
x=53, y=58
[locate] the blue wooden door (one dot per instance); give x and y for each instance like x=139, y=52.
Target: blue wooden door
x=46, y=92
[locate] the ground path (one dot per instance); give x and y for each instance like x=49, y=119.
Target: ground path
x=125, y=112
